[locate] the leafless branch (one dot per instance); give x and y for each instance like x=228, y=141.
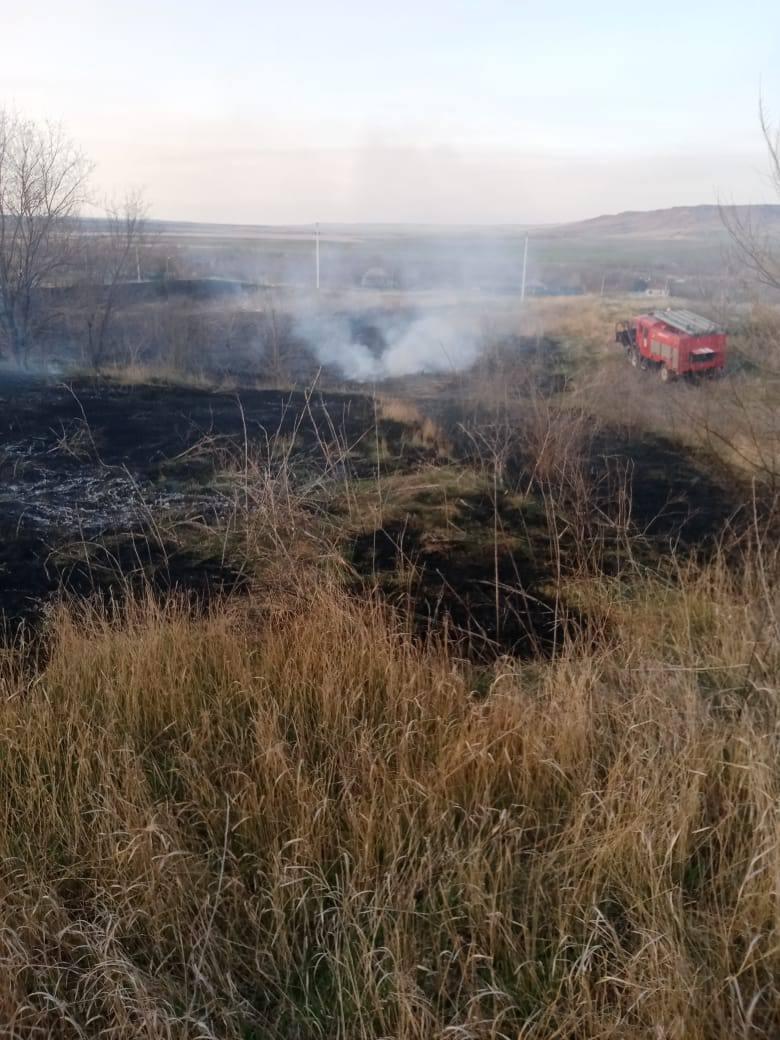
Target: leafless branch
x=750, y=239
x=43, y=179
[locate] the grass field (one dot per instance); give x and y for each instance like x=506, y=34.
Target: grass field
x=481, y=742
x=298, y=821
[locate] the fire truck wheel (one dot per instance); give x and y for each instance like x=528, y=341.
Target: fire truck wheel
x=666, y=375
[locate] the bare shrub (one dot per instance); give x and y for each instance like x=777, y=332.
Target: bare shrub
x=110, y=255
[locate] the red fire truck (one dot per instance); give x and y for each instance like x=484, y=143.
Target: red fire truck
x=674, y=342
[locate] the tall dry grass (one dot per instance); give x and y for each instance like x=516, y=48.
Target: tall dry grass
x=308, y=825
x=288, y=818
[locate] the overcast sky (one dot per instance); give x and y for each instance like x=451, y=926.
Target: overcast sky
x=489, y=111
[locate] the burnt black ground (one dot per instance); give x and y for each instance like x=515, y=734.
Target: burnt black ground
x=144, y=427
x=84, y=466
x=81, y=466
x=678, y=498
x=455, y=586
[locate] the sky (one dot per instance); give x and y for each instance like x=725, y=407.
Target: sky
x=436, y=111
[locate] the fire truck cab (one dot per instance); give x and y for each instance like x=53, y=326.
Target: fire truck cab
x=674, y=342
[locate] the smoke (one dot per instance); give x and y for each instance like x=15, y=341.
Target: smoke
x=330, y=337
x=386, y=344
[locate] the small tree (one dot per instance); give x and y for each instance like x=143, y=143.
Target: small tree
x=43, y=180
x=751, y=241
x=110, y=259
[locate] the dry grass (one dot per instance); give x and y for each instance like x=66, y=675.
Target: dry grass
x=137, y=373
x=425, y=432
x=588, y=321
x=289, y=818
x=307, y=825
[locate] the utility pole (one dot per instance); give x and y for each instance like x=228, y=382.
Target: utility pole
x=137, y=265
x=525, y=269
x=317, y=253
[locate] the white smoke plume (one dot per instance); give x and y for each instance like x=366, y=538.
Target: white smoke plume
x=431, y=342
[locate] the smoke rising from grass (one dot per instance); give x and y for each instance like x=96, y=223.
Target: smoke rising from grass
x=386, y=345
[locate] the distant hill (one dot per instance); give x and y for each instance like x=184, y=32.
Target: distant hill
x=677, y=222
